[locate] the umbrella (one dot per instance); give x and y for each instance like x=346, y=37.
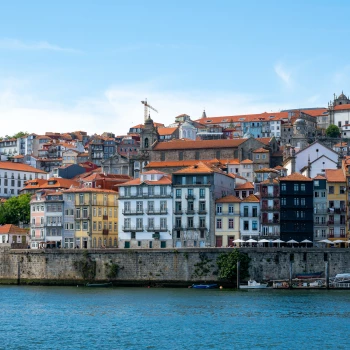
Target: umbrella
x=292, y=241
x=338, y=241
x=278, y=241
x=305, y=241
x=238, y=241
x=251, y=241
x=264, y=241
x=326, y=241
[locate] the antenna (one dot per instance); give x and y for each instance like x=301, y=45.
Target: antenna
x=147, y=106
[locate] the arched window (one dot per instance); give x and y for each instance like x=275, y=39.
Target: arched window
x=184, y=134
x=146, y=142
x=105, y=242
x=115, y=242
x=110, y=242
x=99, y=242
x=94, y=243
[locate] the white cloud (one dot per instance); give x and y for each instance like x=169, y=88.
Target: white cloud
x=283, y=74
x=15, y=44
x=117, y=109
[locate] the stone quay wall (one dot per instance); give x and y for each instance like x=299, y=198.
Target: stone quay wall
x=159, y=266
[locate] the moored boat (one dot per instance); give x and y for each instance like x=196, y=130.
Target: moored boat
x=252, y=284
x=96, y=285
x=204, y=286
x=309, y=275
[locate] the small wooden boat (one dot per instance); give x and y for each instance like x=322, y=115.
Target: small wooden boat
x=253, y=285
x=96, y=285
x=204, y=286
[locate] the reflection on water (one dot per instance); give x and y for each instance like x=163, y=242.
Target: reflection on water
x=141, y=318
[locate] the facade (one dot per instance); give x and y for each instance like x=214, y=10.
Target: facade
x=14, y=235
x=46, y=218
x=195, y=190
x=227, y=221
x=270, y=208
x=336, y=203
x=9, y=147
x=250, y=218
x=339, y=110
x=96, y=217
x=296, y=203
x=14, y=175
x=320, y=208
x=146, y=211
x=244, y=190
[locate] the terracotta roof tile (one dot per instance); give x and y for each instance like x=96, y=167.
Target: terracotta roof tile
x=319, y=177
x=295, y=177
x=246, y=186
x=267, y=181
x=199, y=168
x=335, y=175
x=179, y=144
x=246, y=161
x=9, y=228
x=165, y=180
x=261, y=150
x=185, y=163
x=20, y=167
x=251, y=198
x=229, y=199
x=342, y=107
x=88, y=189
x=166, y=131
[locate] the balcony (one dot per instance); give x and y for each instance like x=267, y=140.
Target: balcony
x=54, y=224
x=270, y=195
x=190, y=211
x=178, y=212
x=131, y=212
x=157, y=228
x=178, y=227
x=190, y=196
x=105, y=217
x=270, y=208
x=270, y=222
x=156, y=211
x=132, y=228
x=156, y=236
x=202, y=211
x=105, y=231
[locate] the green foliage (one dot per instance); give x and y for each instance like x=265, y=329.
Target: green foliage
x=202, y=268
x=15, y=209
x=15, y=136
x=86, y=266
x=113, y=270
x=227, y=264
x=332, y=131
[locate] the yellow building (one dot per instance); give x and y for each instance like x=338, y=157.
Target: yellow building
x=227, y=221
x=336, y=204
x=95, y=217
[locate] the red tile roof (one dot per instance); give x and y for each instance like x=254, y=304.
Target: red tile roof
x=88, y=189
x=200, y=168
x=261, y=150
x=9, y=228
x=342, y=107
x=295, y=177
x=319, y=177
x=246, y=186
x=335, y=175
x=179, y=144
x=165, y=180
x=229, y=199
x=20, y=167
x=251, y=198
x=166, y=131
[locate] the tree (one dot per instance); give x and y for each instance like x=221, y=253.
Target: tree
x=227, y=264
x=20, y=134
x=15, y=209
x=332, y=131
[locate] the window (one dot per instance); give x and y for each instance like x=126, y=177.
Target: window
x=218, y=154
x=77, y=225
x=201, y=222
x=302, y=201
x=163, y=223
x=257, y=156
x=78, y=213
x=230, y=223
x=255, y=212
x=127, y=223
x=331, y=189
x=181, y=155
x=162, y=156
x=190, y=222
x=85, y=225
x=230, y=209
x=254, y=225
x=85, y=213
x=139, y=206
x=150, y=223
x=178, y=193
x=201, y=206
x=163, y=191
x=316, y=194
x=139, y=223
x=196, y=156
x=245, y=211
x=302, y=187
x=219, y=209
x=245, y=225
x=296, y=201
x=202, y=193
x=283, y=187
x=296, y=187
x=341, y=189
x=150, y=206
x=219, y=223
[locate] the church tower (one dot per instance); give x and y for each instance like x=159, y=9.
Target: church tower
x=300, y=137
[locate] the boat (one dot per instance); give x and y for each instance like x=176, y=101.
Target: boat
x=340, y=281
x=310, y=283
x=309, y=275
x=252, y=284
x=204, y=286
x=108, y=284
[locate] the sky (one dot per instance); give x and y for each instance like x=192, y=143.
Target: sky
x=87, y=65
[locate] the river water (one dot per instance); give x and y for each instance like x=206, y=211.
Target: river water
x=142, y=318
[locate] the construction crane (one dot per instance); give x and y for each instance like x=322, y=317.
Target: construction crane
x=147, y=106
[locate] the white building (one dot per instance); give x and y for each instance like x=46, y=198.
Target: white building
x=14, y=175
x=146, y=211
x=195, y=190
x=250, y=218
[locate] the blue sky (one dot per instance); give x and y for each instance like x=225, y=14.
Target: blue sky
x=86, y=65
